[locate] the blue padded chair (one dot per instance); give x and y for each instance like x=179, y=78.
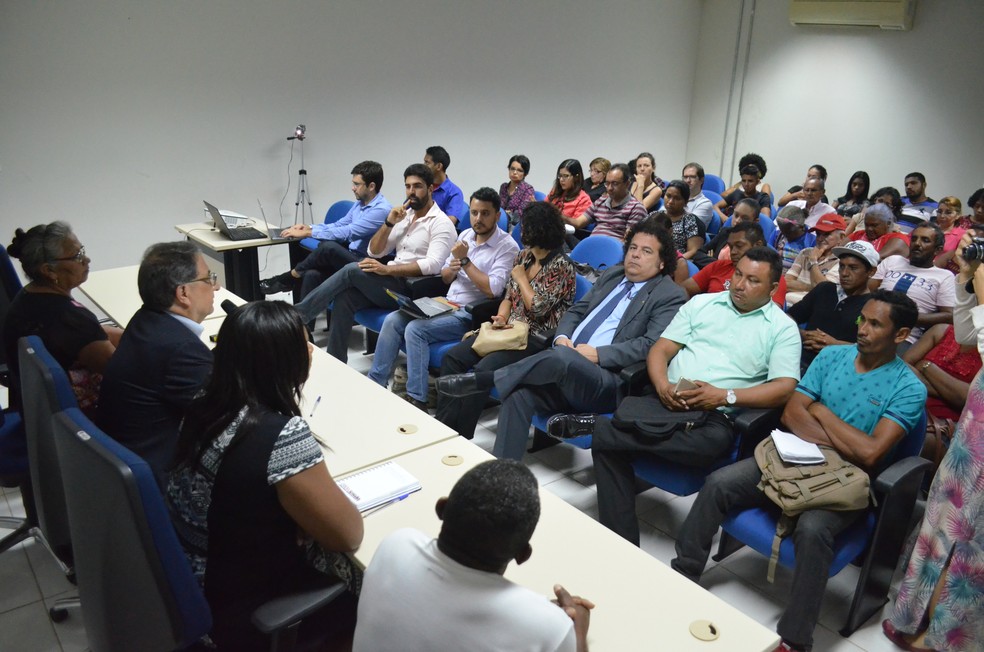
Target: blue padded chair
x=692, y=267
x=539, y=196
x=515, y=233
x=143, y=596
x=14, y=472
x=335, y=212
x=714, y=183
x=46, y=390
x=715, y=197
x=598, y=251
x=875, y=540
x=768, y=226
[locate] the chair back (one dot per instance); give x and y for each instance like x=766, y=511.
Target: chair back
x=517, y=235
x=45, y=390
x=539, y=196
x=715, y=197
x=135, y=582
x=599, y=251
x=338, y=210
x=714, y=183
x=581, y=287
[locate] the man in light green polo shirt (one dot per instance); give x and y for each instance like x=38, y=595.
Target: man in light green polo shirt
x=738, y=348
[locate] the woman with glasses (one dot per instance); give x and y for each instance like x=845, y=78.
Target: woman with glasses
x=515, y=194
x=567, y=193
x=55, y=262
x=594, y=185
x=947, y=214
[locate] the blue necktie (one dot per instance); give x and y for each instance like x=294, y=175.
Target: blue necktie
x=602, y=315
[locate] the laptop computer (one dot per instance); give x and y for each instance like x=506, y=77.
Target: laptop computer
x=237, y=232
x=423, y=308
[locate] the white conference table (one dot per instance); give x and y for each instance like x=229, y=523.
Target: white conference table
x=641, y=604
x=360, y=423
x=242, y=269
x=115, y=292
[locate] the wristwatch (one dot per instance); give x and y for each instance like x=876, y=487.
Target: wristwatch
x=731, y=397
x=465, y=261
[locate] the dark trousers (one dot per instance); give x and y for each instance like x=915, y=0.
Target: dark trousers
x=328, y=258
x=361, y=291
x=613, y=451
x=736, y=487
x=461, y=414
x=556, y=380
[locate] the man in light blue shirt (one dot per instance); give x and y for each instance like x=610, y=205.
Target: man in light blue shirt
x=344, y=241
x=479, y=265
x=737, y=348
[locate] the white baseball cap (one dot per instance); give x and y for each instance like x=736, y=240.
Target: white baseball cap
x=860, y=248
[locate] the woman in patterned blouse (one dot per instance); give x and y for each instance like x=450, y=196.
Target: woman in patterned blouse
x=515, y=194
x=539, y=292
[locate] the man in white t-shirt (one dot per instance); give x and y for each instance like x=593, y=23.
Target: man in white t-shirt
x=449, y=593
x=815, y=208
x=699, y=204
x=930, y=287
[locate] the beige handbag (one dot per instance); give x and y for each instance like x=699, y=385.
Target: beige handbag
x=489, y=339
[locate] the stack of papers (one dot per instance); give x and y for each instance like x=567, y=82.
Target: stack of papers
x=379, y=485
x=794, y=450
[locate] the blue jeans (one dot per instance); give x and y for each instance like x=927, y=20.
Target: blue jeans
x=736, y=487
x=418, y=334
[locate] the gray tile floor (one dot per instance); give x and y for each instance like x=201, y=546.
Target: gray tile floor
x=30, y=580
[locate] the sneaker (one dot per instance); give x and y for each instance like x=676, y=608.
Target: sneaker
x=279, y=283
x=567, y=426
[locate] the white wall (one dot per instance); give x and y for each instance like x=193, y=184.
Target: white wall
x=122, y=116
x=886, y=102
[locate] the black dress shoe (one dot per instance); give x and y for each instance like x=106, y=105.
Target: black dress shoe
x=566, y=426
x=458, y=385
x=278, y=283
x=420, y=405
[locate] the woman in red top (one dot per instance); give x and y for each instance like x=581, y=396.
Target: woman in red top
x=878, y=224
x=945, y=368
x=946, y=218
x=567, y=193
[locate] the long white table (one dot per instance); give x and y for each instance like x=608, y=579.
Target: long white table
x=114, y=291
x=360, y=423
x=641, y=603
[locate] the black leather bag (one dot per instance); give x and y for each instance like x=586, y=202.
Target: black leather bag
x=648, y=417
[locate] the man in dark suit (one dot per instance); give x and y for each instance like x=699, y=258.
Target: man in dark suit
x=611, y=327
x=161, y=361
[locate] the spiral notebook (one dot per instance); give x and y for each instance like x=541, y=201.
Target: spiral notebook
x=379, y=485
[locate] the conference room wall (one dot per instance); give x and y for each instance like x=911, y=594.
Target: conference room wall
x=883, y=101
x=122, y=116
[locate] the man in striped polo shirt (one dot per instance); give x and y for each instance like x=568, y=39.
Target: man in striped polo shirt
x=617, y=212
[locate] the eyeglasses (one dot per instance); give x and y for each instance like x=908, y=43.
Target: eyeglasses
x=517, y=170
x=212, y=279
x=78, y=257
x=563, y=177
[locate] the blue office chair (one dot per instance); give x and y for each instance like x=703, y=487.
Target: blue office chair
x=691, y=267
x=768, y=226
x=143, y=596
x=46, y=390
x=11, y=286
x=875, y=540
x=598, y=251
x=516, y=235
x=715, y=183
x=335, y=212
x=15, y=472
x=539, y=196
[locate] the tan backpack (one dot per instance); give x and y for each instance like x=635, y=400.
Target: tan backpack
x=834, y=484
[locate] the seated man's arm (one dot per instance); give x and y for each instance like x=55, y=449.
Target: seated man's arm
x=579, y=610
x=382, y=241
x=185, y=375
x=771, y=394
x=856, y=446
x=798, y=420
x=349, y=228
x=943, y=315
x=657, y=362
